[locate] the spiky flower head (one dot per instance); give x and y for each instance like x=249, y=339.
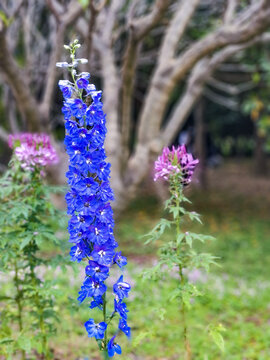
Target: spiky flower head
x=175, y=161
x=33, y=150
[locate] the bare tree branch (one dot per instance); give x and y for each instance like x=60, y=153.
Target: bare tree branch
x=3, y=134
x=12, y=74
x=106, y=22
x=142, y=26
x=225, y=101
x=53, y=8
x=66, y=19
x=165, y=79
x=229, y=88
x=230, y=11
x=139, y=28
x=201, y=72
x=176, y=30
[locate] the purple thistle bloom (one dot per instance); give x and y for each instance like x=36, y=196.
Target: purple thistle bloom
x=174, y=161
x=34, y=151
x=88, y=200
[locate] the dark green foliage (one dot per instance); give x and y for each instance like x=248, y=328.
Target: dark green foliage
x=27, y=215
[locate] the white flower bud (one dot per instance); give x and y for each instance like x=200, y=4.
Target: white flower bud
x=83, y=61
x=62, y=64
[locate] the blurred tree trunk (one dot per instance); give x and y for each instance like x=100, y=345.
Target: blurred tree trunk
x=200, y=142
x=117, y=34
x=260, y=157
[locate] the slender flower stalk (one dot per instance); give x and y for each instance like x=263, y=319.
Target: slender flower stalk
x=176, y=166
x=88, y=201
x=25, y=226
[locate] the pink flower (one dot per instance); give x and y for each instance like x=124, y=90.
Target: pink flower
x=33, y=150
x=175, y=161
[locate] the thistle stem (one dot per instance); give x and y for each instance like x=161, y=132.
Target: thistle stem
x=45, y=348
x=176, y=192
x=183, y=311
x=18, y=299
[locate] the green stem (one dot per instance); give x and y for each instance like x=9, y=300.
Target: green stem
x=105, y=350
x=45, y=348
x=176, y=191
x=183, y=311
x=18, y=299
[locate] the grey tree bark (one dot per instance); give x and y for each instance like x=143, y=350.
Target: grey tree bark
x=115, y=33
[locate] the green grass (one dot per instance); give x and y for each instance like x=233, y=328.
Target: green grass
x=237, y=294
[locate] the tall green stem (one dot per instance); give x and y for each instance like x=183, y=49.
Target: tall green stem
x=18, y=299
x=176, y=192
x=45, y=348
x=105, y=350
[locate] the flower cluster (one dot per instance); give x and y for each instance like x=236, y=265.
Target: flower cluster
x=33, y=150
x=175, y=161
x=88, y=201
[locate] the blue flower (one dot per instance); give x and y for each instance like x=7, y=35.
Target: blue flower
x=103, y=255
x=91, y=288
x=96, y=271
x=95, y=330
x=121, y=288
x=66, y=88
x=123, y=326
x=77, y=107
x=120, y=260
x=97, y=302
x=91, y=221
x=113, y=348
x=82, y=83
x=121, y=308
x=76, y=254
x=87, y=186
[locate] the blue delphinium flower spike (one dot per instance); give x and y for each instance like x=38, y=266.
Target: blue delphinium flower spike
x=88, y=201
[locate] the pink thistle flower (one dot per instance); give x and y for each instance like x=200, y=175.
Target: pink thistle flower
x=174, y=161
x=33, y=150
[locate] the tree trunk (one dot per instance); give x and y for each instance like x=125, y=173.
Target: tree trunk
x=200, y=142
x=260, y=159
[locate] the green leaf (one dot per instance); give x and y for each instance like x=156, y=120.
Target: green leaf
x=24, y=343
x=188, y=239
x=158, y=230
x=140, y=337
x=6, y=341
x=194, y=216
x=203, y=260
x=185, y=293
x=215, y=333
x=25, y=242
x=180, y=238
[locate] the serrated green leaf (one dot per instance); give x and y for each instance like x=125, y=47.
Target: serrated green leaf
x=6, y=341
x=25, y=242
